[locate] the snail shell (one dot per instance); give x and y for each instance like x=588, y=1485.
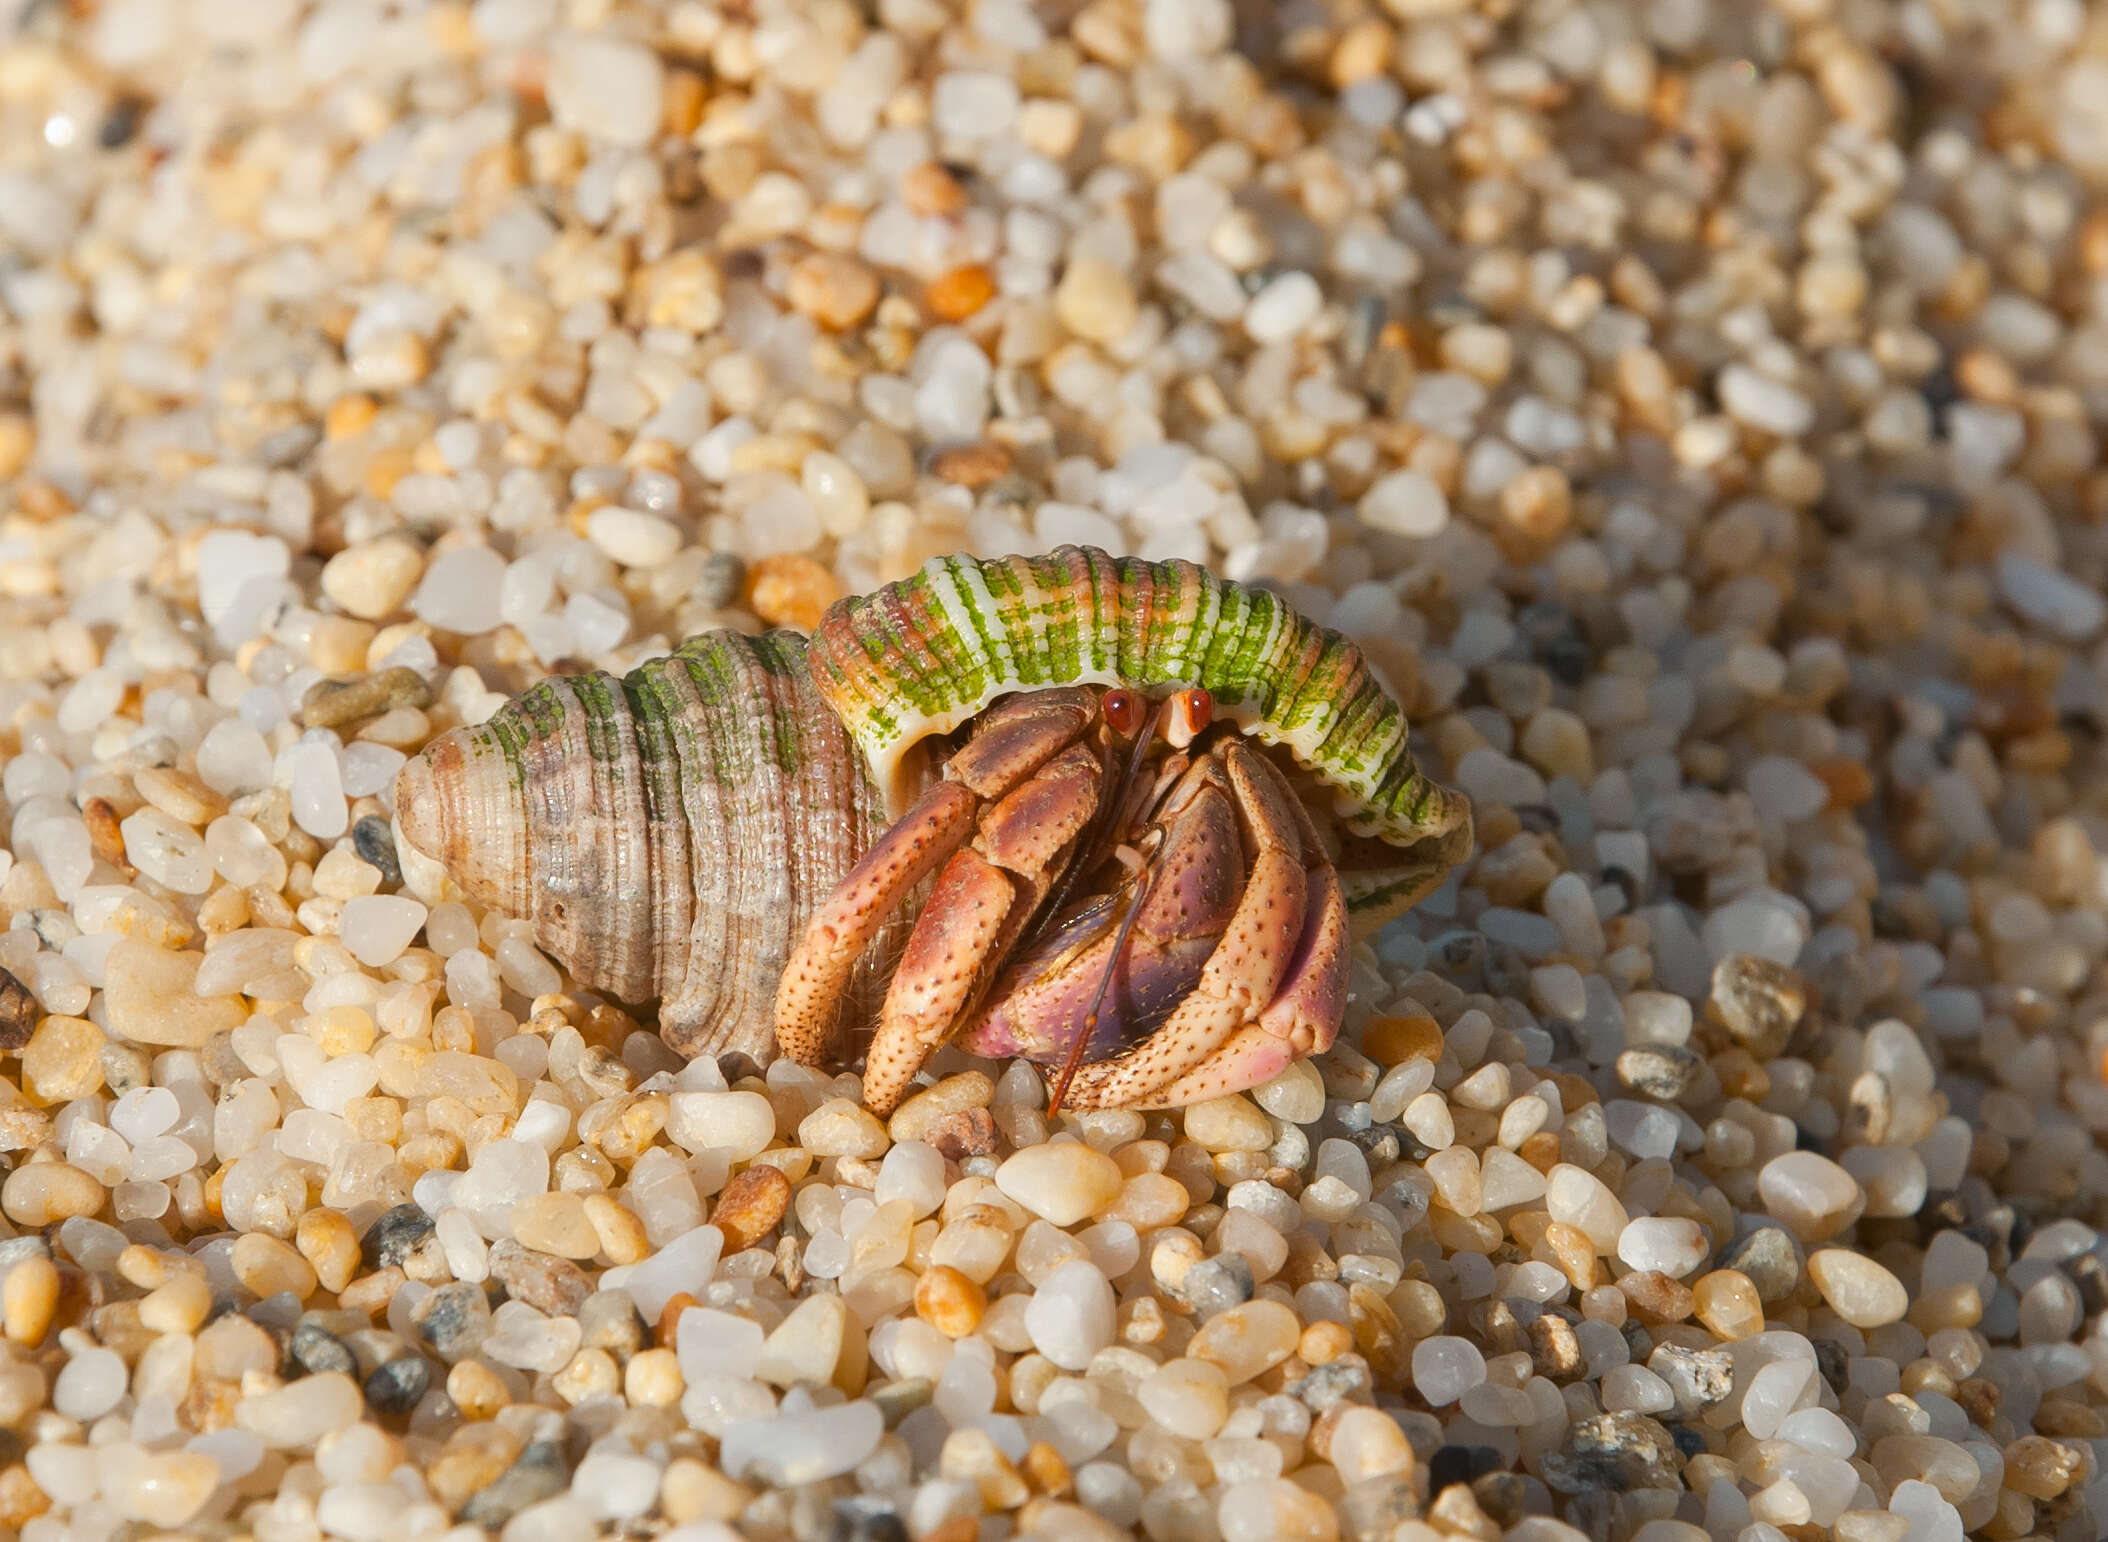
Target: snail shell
x=922, y=656
x=667, y=833
x=670, y=833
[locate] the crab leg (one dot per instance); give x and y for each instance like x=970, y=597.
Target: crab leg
x=1014, y=739
x=983, y=900
x=1245, y=972
x=809, y=997
x=1303, y=1019
x=1178, y=908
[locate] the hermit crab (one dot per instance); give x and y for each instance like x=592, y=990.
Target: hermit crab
x=1122, y=818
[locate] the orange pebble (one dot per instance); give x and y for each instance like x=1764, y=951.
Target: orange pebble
x=791, y=591
x=1394, y=1040
x=961, y=292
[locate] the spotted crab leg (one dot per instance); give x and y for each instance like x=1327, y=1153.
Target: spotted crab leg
x=984, y=898
x=1303, y=1019
x=1245, y=974
x=1023, y=754
x=809, y=997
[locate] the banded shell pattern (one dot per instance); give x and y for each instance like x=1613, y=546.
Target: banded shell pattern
x=669, y=834
x=921, y=656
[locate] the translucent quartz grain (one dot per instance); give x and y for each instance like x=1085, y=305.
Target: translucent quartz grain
x=1445, y=1367
x=1859, y=1290
x=1713, y=1131
x=1810, y=1194
x=1063, y=1182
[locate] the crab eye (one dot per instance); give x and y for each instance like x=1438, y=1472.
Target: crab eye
x=1123, y=711
x=1190, y=711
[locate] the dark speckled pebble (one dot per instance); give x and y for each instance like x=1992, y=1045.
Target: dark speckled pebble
x=1615, y=1451
x=453, y=1319
x=1832, y=1359
x=394, y=1235
x=553, y=1285
x=722, y=579
x=1661, y=1071
x=2091, y=1276
x=1459, y=1464
x=1345, y=1379
x=120, y=123
x=394, y=1388
x=1768, y=1257
x=608, y=1320
x=1503, y=1495
x=538, y=1473
x=1217, y=1284
x=866, y=1520
x=1699, y=1378
x=1373, y=1509
x=316, y=1350
x=375, y=843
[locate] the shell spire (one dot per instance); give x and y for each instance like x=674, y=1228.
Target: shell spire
x=665, y=833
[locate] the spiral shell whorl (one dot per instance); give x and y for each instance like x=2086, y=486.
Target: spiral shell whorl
x=921, y=656
x=667, y=833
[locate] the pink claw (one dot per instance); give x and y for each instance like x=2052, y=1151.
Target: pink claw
x=1302, y=1020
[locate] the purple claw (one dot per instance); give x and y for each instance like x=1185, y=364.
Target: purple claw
x=1045, y=996
x=1043, y=999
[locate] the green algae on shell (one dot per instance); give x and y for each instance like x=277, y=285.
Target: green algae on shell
x=669, y=834
x=922, y=656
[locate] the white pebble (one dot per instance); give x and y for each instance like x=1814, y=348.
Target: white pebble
x=1283, y=308
x=1760, y=401
x=605, y=88
x=460, y=591
x=377, y=927
x=1070, y=1315
x=1446, y=1367
x=1407, y=503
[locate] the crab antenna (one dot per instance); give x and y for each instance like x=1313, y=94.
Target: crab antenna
x=1105, y=989
x=1092, y=847
x=1102, y=826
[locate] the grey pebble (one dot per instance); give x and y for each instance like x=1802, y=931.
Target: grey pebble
x=1217, y=1284
x=553, y=1285
x=453, y=1320
x=1698, y=1377
x=609, y=1320
x=396, y=1387
x=1615, y=1451
x=374, y=841
x=724, y=575
x=318, y=1351
x=1660, y=1071
x=538, y=1473
x=395, y=1236
x=1768, y=1256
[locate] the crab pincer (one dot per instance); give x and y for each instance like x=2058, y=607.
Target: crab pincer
x=1012, y=803
x=1274, y=987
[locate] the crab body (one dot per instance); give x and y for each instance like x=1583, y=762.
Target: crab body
x=937, y=814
